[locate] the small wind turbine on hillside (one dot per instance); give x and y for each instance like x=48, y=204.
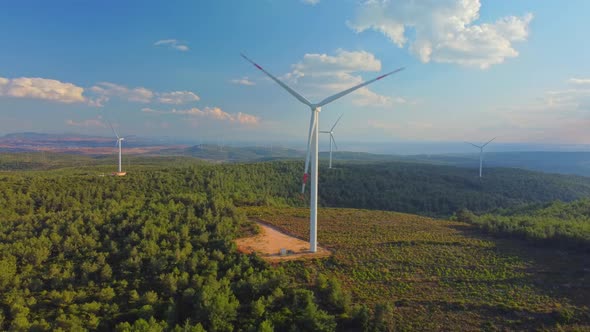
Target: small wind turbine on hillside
x=332, y=140
x=481, y=153
x=118, y=143
x=312, y=143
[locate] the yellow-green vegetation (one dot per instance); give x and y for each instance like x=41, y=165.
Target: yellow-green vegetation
x=558, y=224
x=427, y=274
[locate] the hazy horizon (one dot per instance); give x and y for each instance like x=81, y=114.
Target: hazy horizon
x=376, y=147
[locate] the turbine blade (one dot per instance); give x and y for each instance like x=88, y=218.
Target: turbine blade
x=324, y=132
x=279, y=82
x=345, y=92
x=312, y=125
x=488, y=142
x=112, y=128
x=335, y=123
x=334, y=141
x=477, y=146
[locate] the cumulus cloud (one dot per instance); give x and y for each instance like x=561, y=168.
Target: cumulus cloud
x=311, y=2
x=96, y=123
x=558, y=116
x=247, y=118
x=97, y=95
x=41, y=88
x=444, y=30
x=243, y=81
x=323, y=75
x=405, y=126
x=579, y=81
x=106, y=90
x=177, y=97
x=214, y=113
x=172, y=43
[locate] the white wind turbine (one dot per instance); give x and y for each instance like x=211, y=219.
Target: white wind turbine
x=480, y=147
x=118, y=143
x=312, y=143
x=332, y=140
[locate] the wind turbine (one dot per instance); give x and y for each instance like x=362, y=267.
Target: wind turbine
x=312, y=143
x=481, y=153
x=332, y=140
x=118, y=143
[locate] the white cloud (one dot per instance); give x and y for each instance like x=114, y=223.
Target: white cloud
x=97, y=123
x=243, y=81
x=41, y=88
x=172, y=43
x=106, y=90
x=445, y=30
x=177, y=97
x=558, y=116
x=398, y=127
x=311, y=2
x=247, y=118
x=213, y=113
x=323, y=75
x=579, y=81
x=49, y=89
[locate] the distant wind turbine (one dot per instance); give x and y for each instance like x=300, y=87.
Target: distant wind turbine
x=332, y=140
x=118, y=143
x=312, y=143
x=481, y=153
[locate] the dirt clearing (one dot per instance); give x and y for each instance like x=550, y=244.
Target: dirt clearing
x=269, y=242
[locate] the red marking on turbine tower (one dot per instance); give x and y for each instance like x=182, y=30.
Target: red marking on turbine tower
x=305, y=178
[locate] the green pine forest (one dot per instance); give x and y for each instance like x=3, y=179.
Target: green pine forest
x=154, y=250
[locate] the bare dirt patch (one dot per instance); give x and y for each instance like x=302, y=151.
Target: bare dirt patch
x=269, y=242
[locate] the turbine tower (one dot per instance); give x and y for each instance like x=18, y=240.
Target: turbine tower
x=118, y=143
x=332, y=140
x=480, y=147
x=312, y=143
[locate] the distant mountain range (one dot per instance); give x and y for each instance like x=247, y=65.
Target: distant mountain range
x=74, y=143
x=545, y=161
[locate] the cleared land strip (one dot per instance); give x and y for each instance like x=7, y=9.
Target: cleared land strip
x=269, y=242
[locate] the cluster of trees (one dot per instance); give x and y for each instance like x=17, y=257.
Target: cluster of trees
x=565, y=225
x=396, y=186
x=152, y=251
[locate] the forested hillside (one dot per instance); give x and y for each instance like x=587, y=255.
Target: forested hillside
x=442, y=190
x=152, y=251
x=433, y=190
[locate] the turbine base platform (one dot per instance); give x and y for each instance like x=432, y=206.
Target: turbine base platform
x=118, y=173
x=275, y=246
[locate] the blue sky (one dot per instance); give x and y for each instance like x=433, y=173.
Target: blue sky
x=474, y=69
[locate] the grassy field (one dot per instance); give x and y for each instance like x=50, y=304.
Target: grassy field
x=443, y=275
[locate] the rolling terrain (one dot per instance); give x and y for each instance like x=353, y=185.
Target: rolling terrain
x=442, y=275
x=155, y=250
